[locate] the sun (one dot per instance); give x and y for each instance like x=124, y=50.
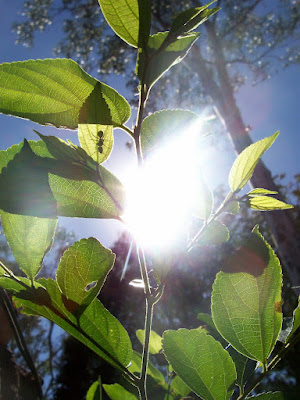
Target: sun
x=161, y=194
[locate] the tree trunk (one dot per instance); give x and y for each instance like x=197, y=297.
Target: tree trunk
x=281, y=223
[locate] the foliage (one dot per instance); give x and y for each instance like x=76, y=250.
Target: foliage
x=48, y=178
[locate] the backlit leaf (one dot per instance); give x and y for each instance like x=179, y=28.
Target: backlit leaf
x=130, y=19
x=155, y=340
x=84, y=263
x=201, y=362
x=53, y=91
x=215, y=234
x=29, y=238
x=246, y=161
x=190, y=19
x=243, y=365
x=96, y=140
x=296, y=320
x=117, y=392
x=266, y=203
x=135, y=366
x=260, y=191
x=162, y=61
x=161, y=127
x=94, y=392
x=95, y=327
x=246, y=300
x=180, y=387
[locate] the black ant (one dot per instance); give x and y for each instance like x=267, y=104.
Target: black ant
x=100, y=141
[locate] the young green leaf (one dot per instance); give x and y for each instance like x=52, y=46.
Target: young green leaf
x=163, y=126
x=246, y=302
x=130, y=19
x=155, y=340
x=260, y=191
x=29, y=238
x=215, y=234
x=117, y=392
x=84, y=263
x=190, y=19
x=201, y=362
x=245, y=163
x=94, y=392
x=95, y=327
x=266, y=203
x=161, y=61
x=96, y=140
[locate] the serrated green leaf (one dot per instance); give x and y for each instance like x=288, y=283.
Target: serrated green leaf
x=130, y=19
x=83, y=263
x=29, y=239
x=260, y=191
x=117, y=392
x=94, y=392
x=45, y=91
x=246, y=161
x=215, y=234
x=55, y=91
x=95, y=327
x=246, y=303
x=163, y=126
x=243, y=365
x=190, y=19
x=104, y=106
x=162, y=61
x=268, y=396
x=266, y=203
x=135, y=366
x=61, y=195
x=296, y=321
x=96, y=140
x=201, y=362
x=155, y=340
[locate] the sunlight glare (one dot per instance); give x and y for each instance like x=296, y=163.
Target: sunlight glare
x=160, y=193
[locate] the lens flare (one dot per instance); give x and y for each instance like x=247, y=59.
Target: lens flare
x=160, y=194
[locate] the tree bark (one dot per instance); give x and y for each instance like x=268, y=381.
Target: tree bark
x=281, y=223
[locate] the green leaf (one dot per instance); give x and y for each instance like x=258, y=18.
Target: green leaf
x=24, y=185
x=32, y=190
x=96, y=140
x=214, y=234
x=29, y=238
x=117, y=392
x=266, y=203
x=161, y=61
x=161, y=127
x=201, y=362
x=190, y=19
x=84, y=263
x=95, y=327
x=247, y=160
x=104, y=106
x=260, y=191
x=211, y=328
x=135, y=366
x=180, y=387
x=45, y=91
x=233, y=207
x=296, y=321
x=246, y=302
x=155, y=340
x=130, y=19
x=268, y=396
x=54, y=91
x=94, y=392
x=243, y=365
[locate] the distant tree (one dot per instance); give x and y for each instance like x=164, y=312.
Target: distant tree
x=251, y=37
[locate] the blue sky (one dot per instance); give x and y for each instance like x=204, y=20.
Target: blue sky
x=271, y=106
